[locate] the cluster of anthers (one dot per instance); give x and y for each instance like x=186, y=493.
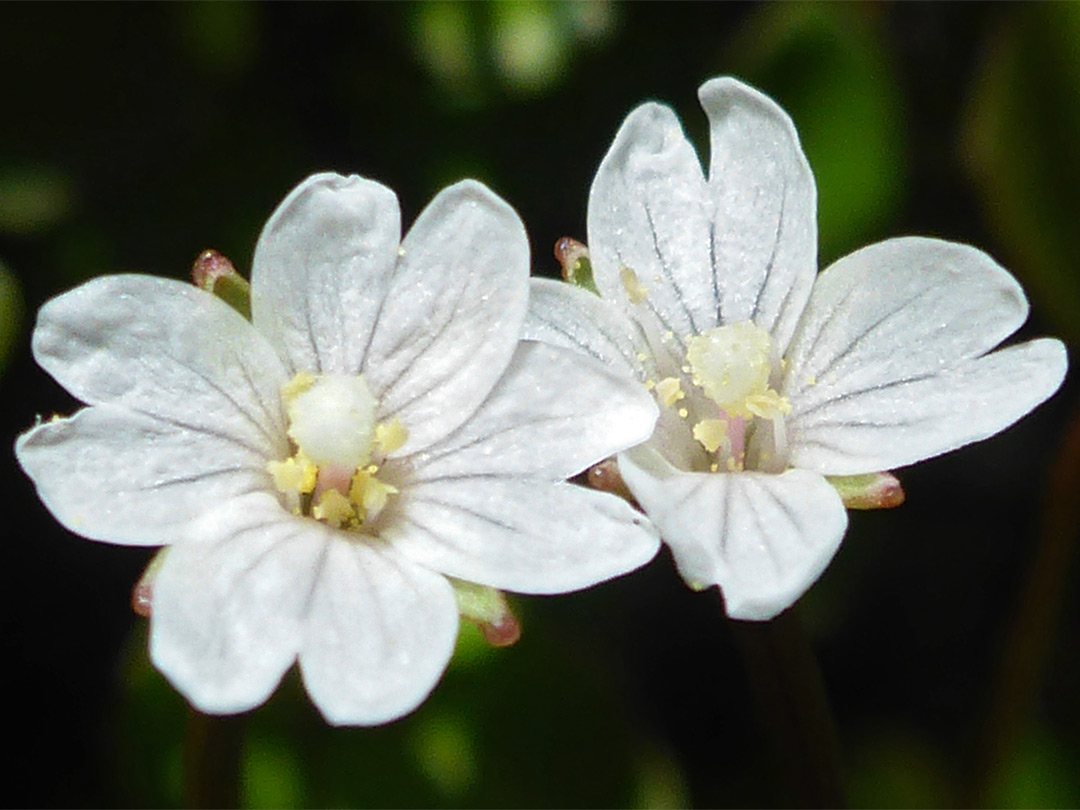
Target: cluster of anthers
x=729, y=372
x=334, y=475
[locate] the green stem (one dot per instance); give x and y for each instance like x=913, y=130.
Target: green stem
x=793, y=707
x=212, y=748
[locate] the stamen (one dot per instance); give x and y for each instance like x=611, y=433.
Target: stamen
x=296, y=474
x=712, y=433
x=635, y=290
x=669, y=391
x=768, y=404
x=332, y=475
x=334, y=509
x=390, y=436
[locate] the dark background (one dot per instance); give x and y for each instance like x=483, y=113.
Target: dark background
x=134, y=136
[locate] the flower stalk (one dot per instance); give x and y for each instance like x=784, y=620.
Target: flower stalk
x=212, y=751
x=793, y=707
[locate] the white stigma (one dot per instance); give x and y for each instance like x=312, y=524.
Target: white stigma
x=731, y=364
x=332, y=419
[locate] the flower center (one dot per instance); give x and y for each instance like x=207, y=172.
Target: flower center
x=340, y=448
x=732, y=366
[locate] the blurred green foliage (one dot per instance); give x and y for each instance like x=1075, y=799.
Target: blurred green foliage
x=520, y=727
x=11, y=315
x=1020, y=137
x=833, y=75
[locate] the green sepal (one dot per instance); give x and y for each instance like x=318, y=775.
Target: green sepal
x=880, y=490
x=142, y=595
x=576, y=264
x=487, y=608
x=235, y=291
x=215, y=274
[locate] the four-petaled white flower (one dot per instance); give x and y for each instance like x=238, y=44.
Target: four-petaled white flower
x=320, y=471
x=768, y=378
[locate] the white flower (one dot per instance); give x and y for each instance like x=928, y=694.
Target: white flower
x=320, y=471
x=770, y=379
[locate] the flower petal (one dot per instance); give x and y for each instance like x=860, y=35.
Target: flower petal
x=561, y=314
x=904, y=421
x=380, y=633
x=647, y=212
x=764, y=539
x=882, y=371
x=321, y=270
x=553, y=414
x=453, y=313
x=165, y=350
x=229, y=611
x=111, y=474
x=763, y=232
x=521, y=535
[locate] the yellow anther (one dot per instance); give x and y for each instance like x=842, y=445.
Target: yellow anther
x=335, y=509
x=714, y=467
x=650, y=384
x=295, y=474
x=635, y=290
x=370, y=494
x=642, y=357
x=731, y=364
x=768, y=405
x=296, y=386
x=683, y=412
x=712, y=433
x=669, y=391
x=390, y=436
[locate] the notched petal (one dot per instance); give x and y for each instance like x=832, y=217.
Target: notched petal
x=764, y=539
x=321, y=271
x=763, y=224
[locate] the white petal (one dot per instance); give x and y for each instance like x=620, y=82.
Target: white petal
x=764, y=539
x=647, y=212
x=321, y=270
x=561, y=314
x=380, y=633
x=763, y=234
x=165, y=350
x=903, y=421
x=229, y=611
x=881, y=368
x=111, y=474
x=521, y=535
x=553, y=414
x=453, y=313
